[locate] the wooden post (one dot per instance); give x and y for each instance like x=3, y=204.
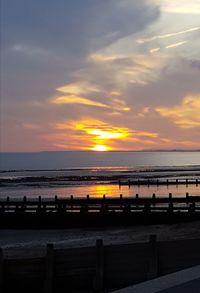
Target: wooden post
x=1, y=269
x=2, y=208
x=154, y=196
x=39, y=202
x=127, y=208
x=8, y=199
x=23, y=206
x=71, y=200
x=153, y=258
x=147, y=208
x=99, y=277
x=49, y=269
x=187, y=195
x=57, y=206
x=137, y=196
x=191, y=208
x=170, y=207
x=16, y=208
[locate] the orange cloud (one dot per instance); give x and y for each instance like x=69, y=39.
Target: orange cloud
x=92, y=134
x=147, y=134
x=101, y=130
x=75, y=93
x=185, y=115
x=78, y=88
x=72, y=99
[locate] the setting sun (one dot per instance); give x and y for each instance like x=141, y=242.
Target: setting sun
x=100, y=148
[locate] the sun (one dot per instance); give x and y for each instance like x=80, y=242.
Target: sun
x=100, y=148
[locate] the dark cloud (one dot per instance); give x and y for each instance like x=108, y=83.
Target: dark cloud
x=45, y=41
x=73, y=26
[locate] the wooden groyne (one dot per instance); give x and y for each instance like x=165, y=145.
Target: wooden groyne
x=158, y=182
x=101, y=268
x=79, y=212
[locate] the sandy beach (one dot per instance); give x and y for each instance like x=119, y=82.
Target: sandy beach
x=32, y=243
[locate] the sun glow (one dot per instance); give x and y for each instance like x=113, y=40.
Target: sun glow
x=108, y=134
x=100, y=148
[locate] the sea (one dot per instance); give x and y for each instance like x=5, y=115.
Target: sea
x=64, y=174
x=80, y=173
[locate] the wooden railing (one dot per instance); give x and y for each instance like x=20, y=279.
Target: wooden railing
x=97, y=269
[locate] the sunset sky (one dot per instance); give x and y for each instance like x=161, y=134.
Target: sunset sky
x=100, y=75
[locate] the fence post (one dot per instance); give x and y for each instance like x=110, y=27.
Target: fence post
x=99, y=277
x=49, y=269
x=153, y=258
x=1, y=269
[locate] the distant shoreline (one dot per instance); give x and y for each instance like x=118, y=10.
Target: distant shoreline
x=112, y=151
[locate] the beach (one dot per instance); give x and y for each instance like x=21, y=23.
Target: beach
x=84, y=176
x=32, y=243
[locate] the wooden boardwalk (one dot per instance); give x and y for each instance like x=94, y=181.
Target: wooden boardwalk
x=102, y=268
x=77, y=212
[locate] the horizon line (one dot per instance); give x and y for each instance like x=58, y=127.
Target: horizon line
x=109, y=151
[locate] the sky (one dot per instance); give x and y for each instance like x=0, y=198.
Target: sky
x=100, y=75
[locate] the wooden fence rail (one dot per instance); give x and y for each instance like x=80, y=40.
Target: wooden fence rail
x=77, y=212
x=90, y=204
x=97, y=269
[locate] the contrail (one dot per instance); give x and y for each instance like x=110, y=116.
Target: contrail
x=142, y=41
x=154, y=50
x=175, y=45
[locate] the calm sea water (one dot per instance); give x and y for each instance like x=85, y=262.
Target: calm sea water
x=107, y=165
x=66, y=160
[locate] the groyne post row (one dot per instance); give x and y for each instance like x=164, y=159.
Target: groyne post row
x=75, y=212
x=100, y=204
x=100, y=268
x=158, y=182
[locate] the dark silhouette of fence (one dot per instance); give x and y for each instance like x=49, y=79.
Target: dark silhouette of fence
x=77, y=212
x=158, y=182
x=97, y=269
